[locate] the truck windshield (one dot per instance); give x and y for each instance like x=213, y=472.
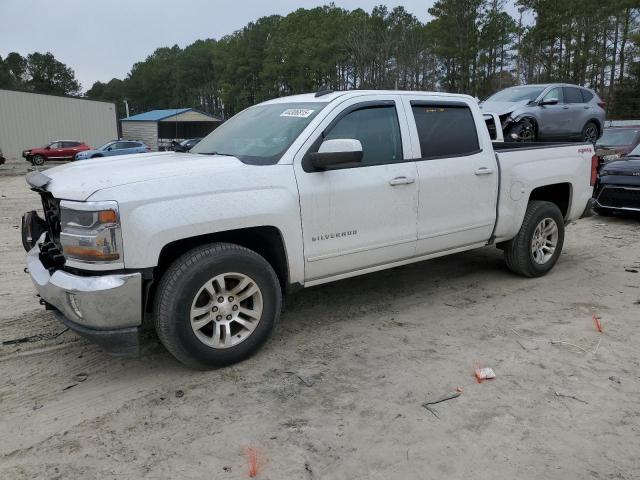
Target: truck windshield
x=614, y=138
x=516, y=94
x=261, y=134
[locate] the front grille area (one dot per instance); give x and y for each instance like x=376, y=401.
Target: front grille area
x=619, y=197
x=51, y=250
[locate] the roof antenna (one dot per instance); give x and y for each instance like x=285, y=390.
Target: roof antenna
x=324, y=90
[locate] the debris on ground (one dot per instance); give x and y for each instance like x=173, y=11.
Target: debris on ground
x=483, y=374
x=631, y=270
x=614, y=237
x=450, y=396
x=80, y=377
x=33, y=338
x=179, y=394
x=572, y=397
x=597, y=323
x=253, y=460
x=615, y=379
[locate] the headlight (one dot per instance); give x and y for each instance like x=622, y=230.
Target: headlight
x=90, y=231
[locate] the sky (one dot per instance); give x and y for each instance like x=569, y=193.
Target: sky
x=102, y=39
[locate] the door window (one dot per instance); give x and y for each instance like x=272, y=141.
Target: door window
x=554, y=93
x=572, y=95
x=445, y=130
x=55, y=145
x=378, y=130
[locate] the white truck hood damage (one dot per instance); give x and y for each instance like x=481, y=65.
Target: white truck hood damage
x=79, y=180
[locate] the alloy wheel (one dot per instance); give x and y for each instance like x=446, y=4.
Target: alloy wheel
x=544, y=241
x=226, y=310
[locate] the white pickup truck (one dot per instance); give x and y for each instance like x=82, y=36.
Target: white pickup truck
x=293, y=192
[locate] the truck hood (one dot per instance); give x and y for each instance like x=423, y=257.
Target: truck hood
x=79, y=180
x=623, y=167
x=502, y=108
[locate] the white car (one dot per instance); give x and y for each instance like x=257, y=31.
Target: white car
x=293, y=192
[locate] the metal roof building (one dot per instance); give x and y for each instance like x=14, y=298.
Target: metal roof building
x=29, y=120
x=157, y=128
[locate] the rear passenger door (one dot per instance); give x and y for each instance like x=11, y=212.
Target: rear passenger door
x=578, y=110
x=457, y=172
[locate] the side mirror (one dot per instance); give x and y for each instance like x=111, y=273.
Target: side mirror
x=336, y=152
x=109, y=149
x=549, y=101
x=48, y=147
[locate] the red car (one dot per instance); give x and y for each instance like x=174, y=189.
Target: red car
x=619, y=141
x=58, y=150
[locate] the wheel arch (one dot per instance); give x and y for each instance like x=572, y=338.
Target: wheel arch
x=266, y=241
x=557, y=193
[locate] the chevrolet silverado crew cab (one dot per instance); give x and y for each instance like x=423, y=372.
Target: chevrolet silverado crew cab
x=293, y=192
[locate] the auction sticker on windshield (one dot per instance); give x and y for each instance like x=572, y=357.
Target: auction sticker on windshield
x=297, y=112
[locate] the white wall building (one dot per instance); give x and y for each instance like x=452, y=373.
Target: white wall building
x=29, y=120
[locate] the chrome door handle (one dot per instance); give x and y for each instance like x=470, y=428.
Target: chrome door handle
x=401, y=181
x=484, y=171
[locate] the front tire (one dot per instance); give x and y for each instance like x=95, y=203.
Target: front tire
x=536, y=248
x=523, y=131
x=216, y=305
x=37, y=160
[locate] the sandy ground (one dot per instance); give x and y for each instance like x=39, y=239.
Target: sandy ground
x=338, y=391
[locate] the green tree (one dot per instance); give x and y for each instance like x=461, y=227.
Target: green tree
x=45, y=74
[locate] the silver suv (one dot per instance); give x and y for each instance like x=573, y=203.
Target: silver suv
x=553, y=111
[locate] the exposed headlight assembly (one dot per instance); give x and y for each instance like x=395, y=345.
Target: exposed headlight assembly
x=90, y=232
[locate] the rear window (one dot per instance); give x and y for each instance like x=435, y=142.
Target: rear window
x=572, y=95
x=445, y=130
x=586, y=95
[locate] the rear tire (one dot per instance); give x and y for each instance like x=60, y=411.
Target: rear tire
x=590, y=133
x=536, y=248
x=37, y=160
x=216, y=305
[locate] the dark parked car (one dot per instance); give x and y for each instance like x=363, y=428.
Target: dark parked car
x=618, y=141
x=548, y=112
x=618, y=186
x=2, y=159
x=58, y=150
x=185, y=145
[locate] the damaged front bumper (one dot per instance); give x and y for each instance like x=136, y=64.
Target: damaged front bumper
x=106, y=309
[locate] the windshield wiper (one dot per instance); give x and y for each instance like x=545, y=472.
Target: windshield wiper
x=217, y=153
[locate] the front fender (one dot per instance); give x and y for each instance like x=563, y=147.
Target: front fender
x=156, y=213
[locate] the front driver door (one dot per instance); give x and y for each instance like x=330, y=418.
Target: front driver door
x=363, y=215
x=554, y=119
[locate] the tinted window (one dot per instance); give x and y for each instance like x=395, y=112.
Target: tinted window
x=555, y=92
x=445, y=130
x=130, y=144
x=586, y=95
x=119, y=145
x=572, y=95
x=71, y=144
x=378, y=130
x=55, y=145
